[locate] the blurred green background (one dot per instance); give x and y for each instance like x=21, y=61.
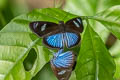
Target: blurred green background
x=12, y=8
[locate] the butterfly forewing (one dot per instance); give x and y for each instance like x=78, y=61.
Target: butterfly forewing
x=42, y=28
x=74, y=25
x=62, y=64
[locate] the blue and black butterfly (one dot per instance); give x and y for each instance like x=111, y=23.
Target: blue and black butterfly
x=59, y=35
x=62, y=64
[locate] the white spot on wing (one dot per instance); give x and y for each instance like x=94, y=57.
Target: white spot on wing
x=35, y=25
x=63, y=79
x=61, y=72
x=76, y=24
x=43, y=27
x=79, y=20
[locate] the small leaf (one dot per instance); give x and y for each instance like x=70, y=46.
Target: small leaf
x=94, y=60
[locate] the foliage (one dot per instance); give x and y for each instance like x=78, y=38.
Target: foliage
x=93, y=58
x=22, y=54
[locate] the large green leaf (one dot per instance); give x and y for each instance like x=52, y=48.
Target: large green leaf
x=16, y=42
x=94, y=61
x=111, y=20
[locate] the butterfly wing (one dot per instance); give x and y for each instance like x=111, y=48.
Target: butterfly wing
x=42, y=28
x=58, y=40
x=71, y=39
x=54, y=41
x=74, y=25
x=62, y=64
x=61, y=74
x=64, y=60
x=73, y=29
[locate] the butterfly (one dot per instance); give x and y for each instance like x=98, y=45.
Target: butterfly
x=59, y=35
x=62, y=64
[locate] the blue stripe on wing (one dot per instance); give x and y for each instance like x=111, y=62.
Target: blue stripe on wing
x=55, y=40
x=63, y=60
x=70, y=39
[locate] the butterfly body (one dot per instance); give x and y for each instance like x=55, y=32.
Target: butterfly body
x=62, y=64
x=59, y=35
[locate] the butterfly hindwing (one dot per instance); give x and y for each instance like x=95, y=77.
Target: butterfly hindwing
x=74, y=25
x=42, y=28
x=62, y=64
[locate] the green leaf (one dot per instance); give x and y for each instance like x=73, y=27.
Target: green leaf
x=94, y=60
x=16, y=42
x=110, y=19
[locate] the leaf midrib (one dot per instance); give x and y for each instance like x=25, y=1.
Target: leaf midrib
x=94, y=53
